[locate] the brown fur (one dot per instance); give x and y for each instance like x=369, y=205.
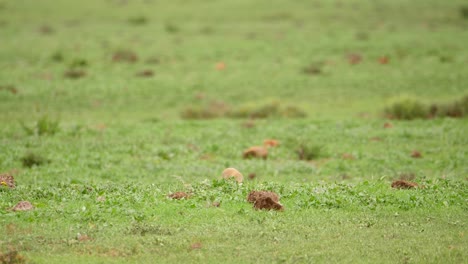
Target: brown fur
x=402, y=184
x=233, y=173
x=271, y=143
x=255, y=152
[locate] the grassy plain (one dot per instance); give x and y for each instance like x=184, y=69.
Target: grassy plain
x=122, y=146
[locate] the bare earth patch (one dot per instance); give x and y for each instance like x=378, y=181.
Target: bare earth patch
x=23, y=206
x=416, y=154
x=271, y=143
x=7, y=180
x=402, y=184
x=179, y=195
x=265, y=200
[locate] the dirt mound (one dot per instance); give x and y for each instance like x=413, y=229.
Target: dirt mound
x=23, y=206
x=7, y=180
x=255, y=152
x=179, y=195
x=416, y=154
x=402, y=184
x=231, y=172
x=265, y=200
x=271, y=143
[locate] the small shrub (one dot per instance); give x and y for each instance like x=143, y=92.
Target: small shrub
x=138, y=20
x=171, y=28
x=458, y=108
x=125, y=56
x=44, y=126
x=407, y=108
x=74, y=74
x=31, y=159
x=464, y=12
x=256, y=110
x=310, y=151
x=293, y=112
x=57, y=56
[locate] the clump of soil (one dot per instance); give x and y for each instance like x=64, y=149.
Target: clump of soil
x=74, y=74
x=384, y=60
x=347, y=156
x=145, y=73
x=12, y=89
x=416, y=154
x=252, y=175
x=271, y=143
x=23, y=206
x=249, y=123
x=12, y=256
x=179, y=195
x=7, y=180
x=265, y=200
x=125, y=56
x=83, y=237
x=354, y=58
x=233, y=173
x=388, y=125
x=402, y=184
x=255, y=152
x=196, y=245
x=220, y=66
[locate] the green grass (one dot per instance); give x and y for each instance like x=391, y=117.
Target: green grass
x=113, y=144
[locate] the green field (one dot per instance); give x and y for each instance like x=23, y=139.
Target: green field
x=106, y=107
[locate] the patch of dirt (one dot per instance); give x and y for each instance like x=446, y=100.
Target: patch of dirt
x=255, y=152
x=313, y=69
x=220, y=66
x=125, y=56
x=145, y=73
x=375, y=139
x=196, y=245
x=23, y=206
x=264, y=200
x=249, y=123
x=46, y=30
x=179, y=195
x=12, y=89
x=215, y=204
x=384, y=60
x=271, y=143
x=12, y=256
x=347, y=156
x=8, y=180
x=233, y=173
x=74, y=74
x=354, y=58
x=153, y=60
x=252, y=176
x=83, y=238
x=388, y=125
x=416, y=154
x=402, y=184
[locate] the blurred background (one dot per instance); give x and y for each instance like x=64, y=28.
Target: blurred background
x=140, y=60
